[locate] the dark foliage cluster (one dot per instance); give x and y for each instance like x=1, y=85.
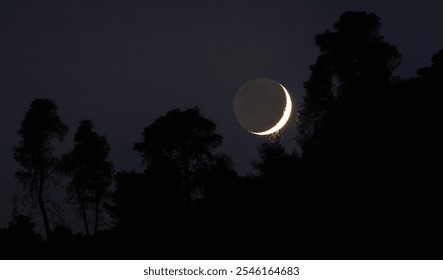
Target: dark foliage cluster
x=362, y=187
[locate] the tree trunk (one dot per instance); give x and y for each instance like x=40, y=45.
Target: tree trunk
x=97, y=206
x=83, y=209
x=41, y=204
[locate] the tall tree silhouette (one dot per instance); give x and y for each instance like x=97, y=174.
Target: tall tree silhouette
x=182, y=168
x=345, y=102
x=34, y=153
x=91, y=173
x=183, y=143
x=346, y=130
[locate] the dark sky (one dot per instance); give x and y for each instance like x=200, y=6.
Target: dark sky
x=125, y=63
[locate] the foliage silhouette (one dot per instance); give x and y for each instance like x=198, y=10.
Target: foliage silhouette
x=348, y=99
x=182, y=168
x=182, y=142
x=362, y=187
x=34, y=153
x=356, y=138
x=91, y=173
x=346, y=92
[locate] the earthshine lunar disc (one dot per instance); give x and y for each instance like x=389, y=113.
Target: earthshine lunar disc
x=262, y=106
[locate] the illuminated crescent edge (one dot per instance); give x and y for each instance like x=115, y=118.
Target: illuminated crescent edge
x=284, y=119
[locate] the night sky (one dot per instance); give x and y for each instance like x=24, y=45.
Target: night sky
x=123, y=64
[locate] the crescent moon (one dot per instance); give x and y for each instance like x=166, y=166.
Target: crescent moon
x=284, y=119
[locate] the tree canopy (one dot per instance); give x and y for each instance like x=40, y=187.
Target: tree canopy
x=34, y=153
x=91, y=173
x=349, y=92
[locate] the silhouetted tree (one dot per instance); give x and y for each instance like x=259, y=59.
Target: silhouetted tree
x=91, y=173
x=348, y=93
x=433, y=72
x=34, y=153
x=182, y=170
x=181, y=143
x=346, y=127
